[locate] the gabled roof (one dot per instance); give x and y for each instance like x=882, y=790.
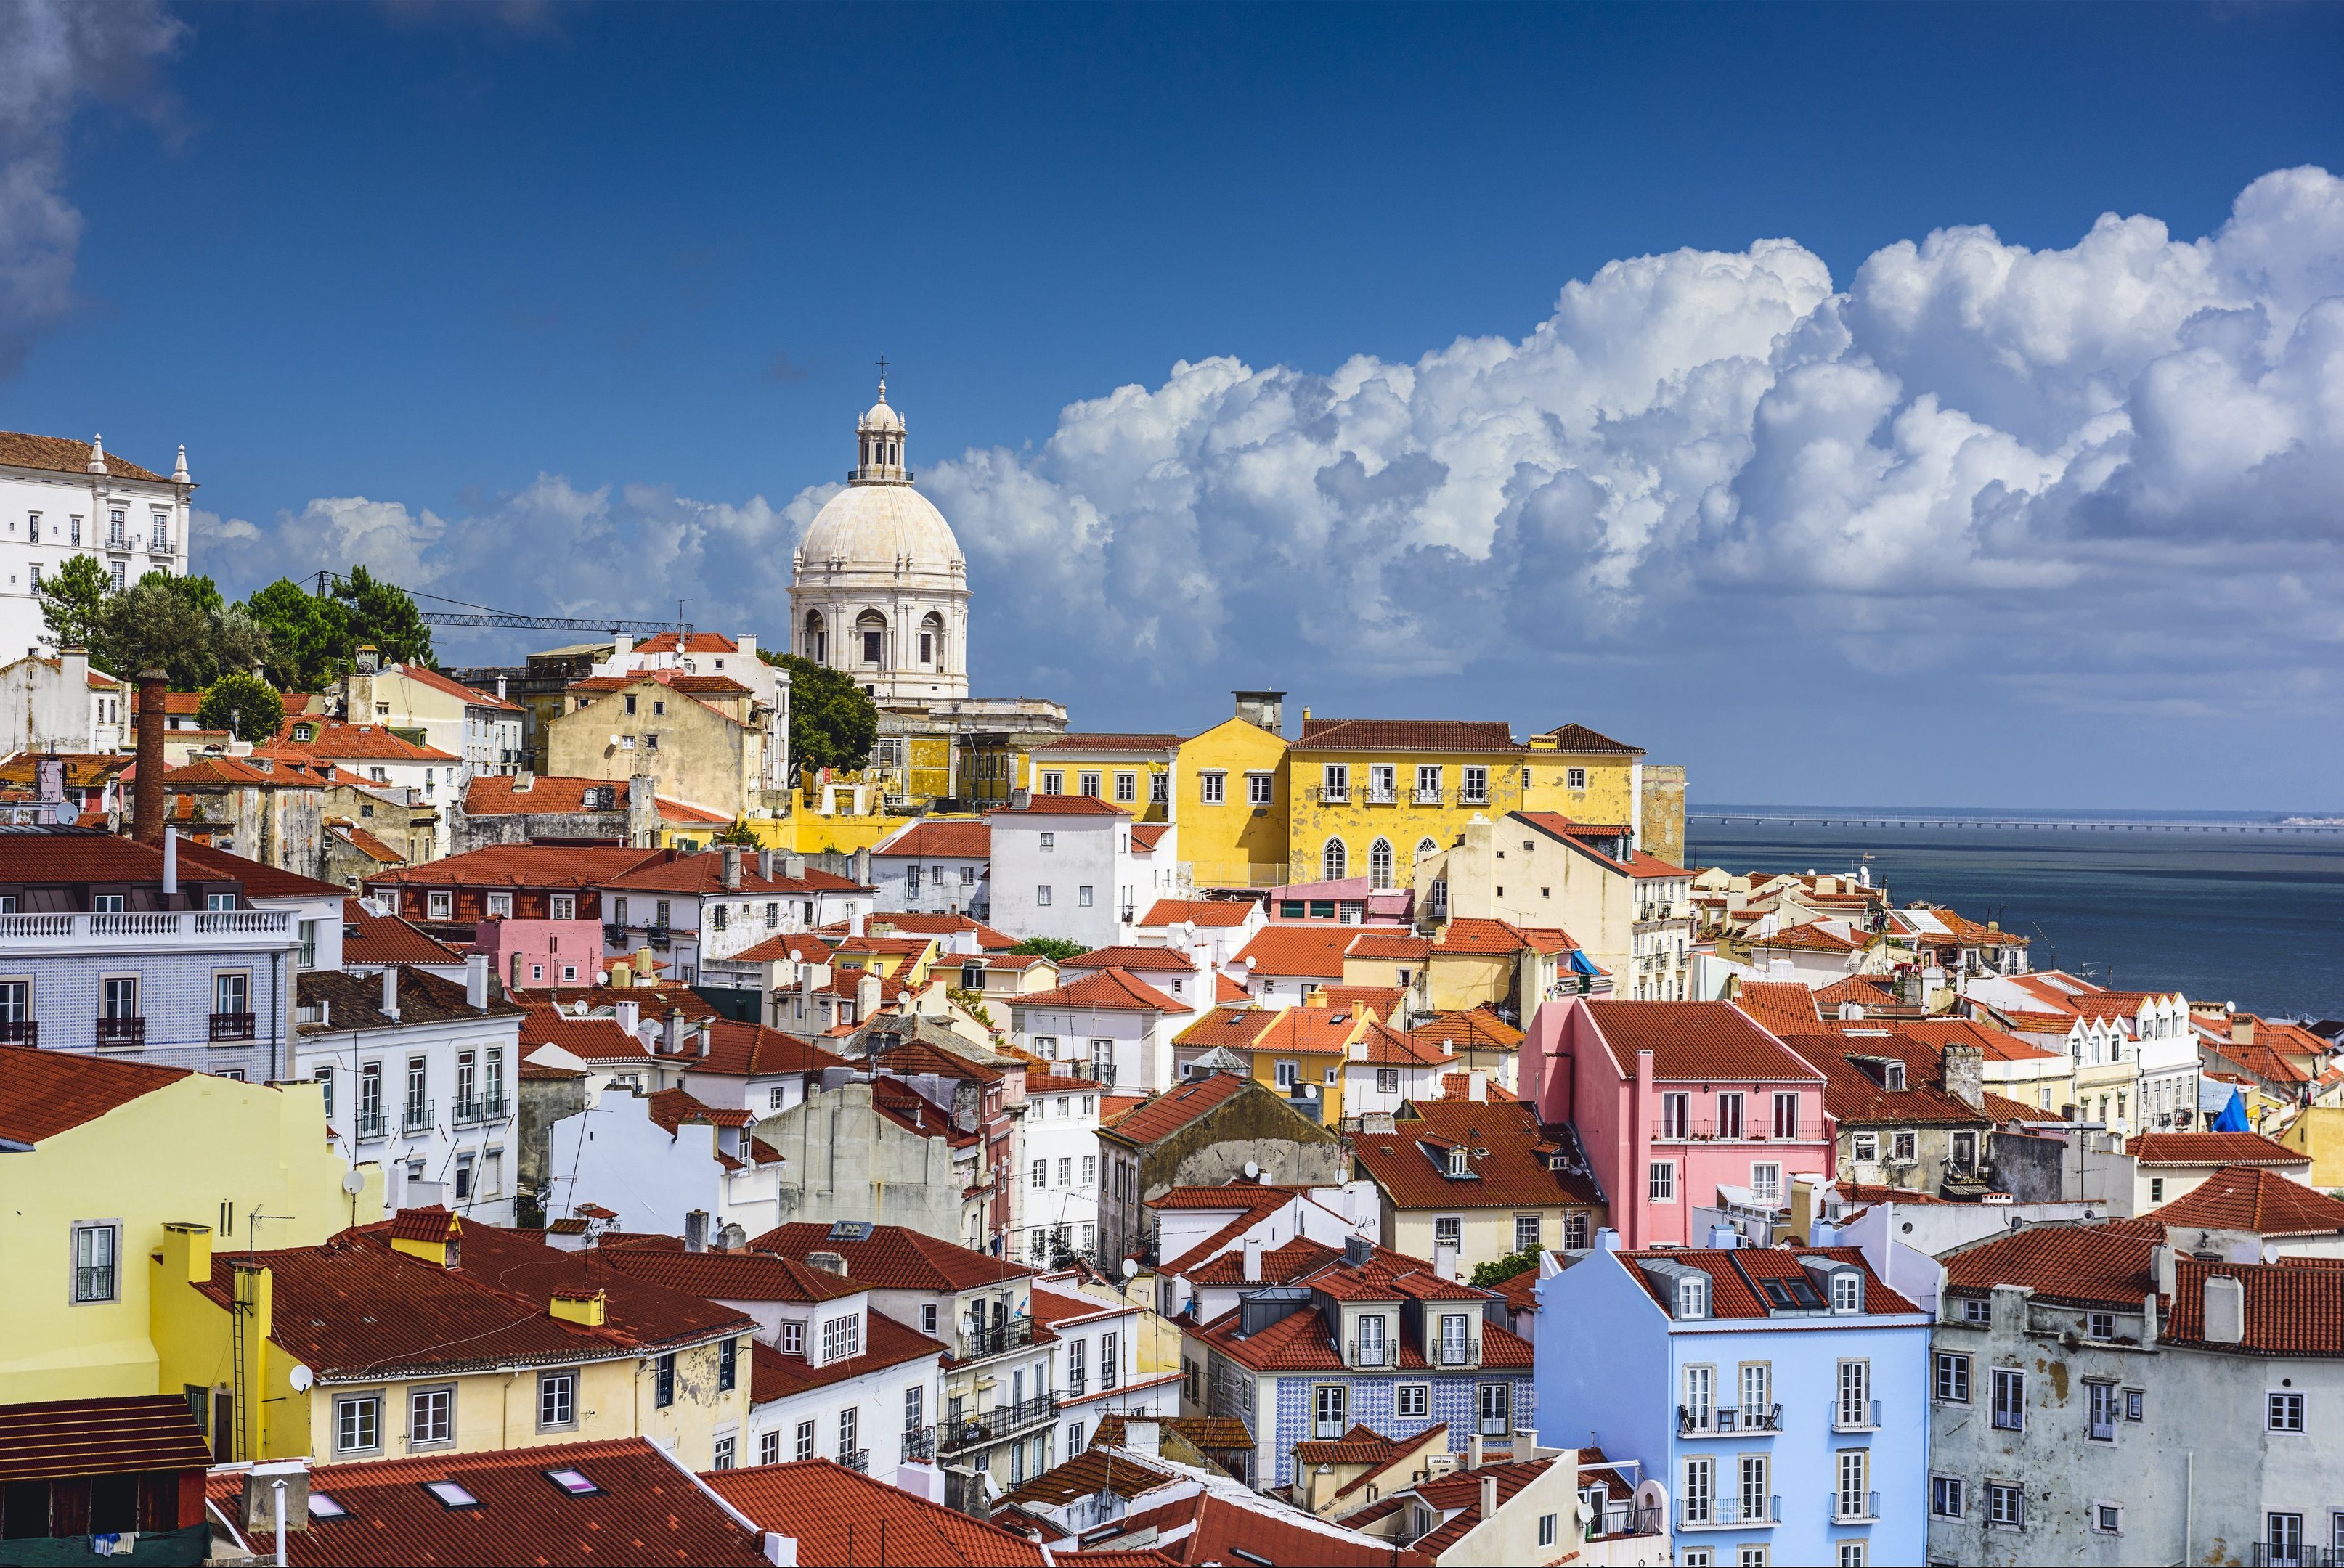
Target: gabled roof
x=1472, y=934
x=1813, y=937
x=1580, y=739
x=1854, y=1097
x=1061, y=806
x=1703, y=1040
x=370, y=939
x=1308, y=950
x=588, y=1039
x=737, y=1049
x=2257, y=1199
x=2293, y=1308
x=1458, y=1496
x=1135, y=959
x=643, y=1508
x=497, y=794
x=1096, y=741
x=341, y=741
x=1780, y=1007
x=1199, y=911
x=1468, y=735
x=46, y=1092
x=1179, y=1106
x=671, y=1108
x=64, y=454
x=1302, y=1342
x=1737, y=1276
x=259, y=880
x=698, y=642
x=947, y=840
x=841, y=1515
x=1505, y=1151
x=424, y=675
x=988, y=939
x=668, y=872
x=526, y=866
x=1110, y=991
x=2093, y=1266
x=893, y=1257
x=1146, y=836
x=1401, y=946
x=54, y=1439
x=1468, y=1029
x=355, y=1001
x=885, y=1343
x=2212, y=1148
x=734, y=1276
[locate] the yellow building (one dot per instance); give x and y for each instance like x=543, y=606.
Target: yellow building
x=1372, y=797
x=1476, y=1178
x=1135, y=771
x=2318, y=1130
x=419, y=1336
x=1230, y=791
x=107, y=1155
x=702, y=738
x=1592, y=778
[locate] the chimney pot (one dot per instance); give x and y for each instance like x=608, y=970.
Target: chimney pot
x=390, y=992
x=476, y=981
x=1253, y=1260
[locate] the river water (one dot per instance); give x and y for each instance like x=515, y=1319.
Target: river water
x=2253, y=914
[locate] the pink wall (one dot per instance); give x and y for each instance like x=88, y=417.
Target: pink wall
x=543, y=947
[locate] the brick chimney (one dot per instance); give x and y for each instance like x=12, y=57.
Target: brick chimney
x=147, y=805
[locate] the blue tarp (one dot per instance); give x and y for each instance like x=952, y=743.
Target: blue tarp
x=2233, y=1117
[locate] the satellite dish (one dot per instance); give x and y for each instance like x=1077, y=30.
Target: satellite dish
x=1130, y=1267
x=614, y=743
x=1253, y=1171
x=300, y=1377
x=353, y=1183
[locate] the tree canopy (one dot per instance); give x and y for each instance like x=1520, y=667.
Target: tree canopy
x=71, y=598
x=833, y=721
x=1498, y=1271
x=179, y=625
x=313, y=637
x=244, y=705
x=1057, y=950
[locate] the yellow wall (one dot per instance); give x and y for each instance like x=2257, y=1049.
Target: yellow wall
x=1229, y=845
x=708, y=754
x=1313, y=1068
x=1403, y=824
x=1144, y=766
x=175, y=1155
x=1610, y=794
x=1488, y=1233
x=2319, y=1131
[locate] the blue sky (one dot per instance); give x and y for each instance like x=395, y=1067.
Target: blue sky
x=571, y=309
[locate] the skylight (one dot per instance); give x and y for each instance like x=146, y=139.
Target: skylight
x=324, y=1507
x=450, y=1493
x=572, y=1483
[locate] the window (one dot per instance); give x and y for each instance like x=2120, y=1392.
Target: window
x=1676, y=1116
x=1977, y=1310
x=1854, y=1394
x=728, y=1366
x=2284, y=1412
x=1945, y=1496
x=1454, y=1341
x=725, y=1451
x=2100, y=1325
x=872, y=642
x=1370, y=1341
x=1448, y=1230
x=564, y=907
x=96, y=1276
x=2005, y=1505
x=1699, y=1385
x=430, y=1416
x=1328, y=1403
x=2009, y=1399
x=358, y=1423
x=1854, y=1475
x=2155, y=1184
x=792, y=1337
x=1546, y=1528
x=1127, y=786
x=1755, y=1473
x=1065, y=1171
x=1757, y=1386
x=1211, y=787
x=1379, y=863
x=850, y=1431
x=769, y=1449
x=1766, y=1181
x=1528, y=1231
x=119, y=998
x=1386, y=1081
x=1574, y=1231
x=1700, y=1490
x=1090, y=1169
x=1054, y=783
x=1336, y=782
x=439, y=905
x=1906, y=1149
x=1866, y=1148
x=1661, y=1184
x=1953, y=1378
x=928, y=1319
x=842, y=1337
x=1412, y=1400
x=806, y=1439
x=1851, y=1553
x=1728, y=1116
x=1159, y=789
x=663, y=1384
x=1846, y=1291
x=1333, y=861
x=1042, y=895
x=1087, y=783
x=1574, y=777
x=1477, y=787
x=2132, y=1403
x=1786, y=1116
x=1082, y=896
x=1494, y=1409
x=1693, y=1298
x=915, y=1408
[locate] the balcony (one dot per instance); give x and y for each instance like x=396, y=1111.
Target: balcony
x=2269, y=1555
x=1099, y=1072
x=660, y=937
x=1728, y=1513
x=920, y=1445
x=125, y=1032
x=1369, y=1355
x=1861, y=1415
x=118, y=932
x=373, y=1127
x=482, y=1109
x=1387, y=796
x=993, y=1341
x=20, y=1032
x=1855, y=1508
x=1625, y=1519
x=857, y=1459
x=1729, y=1421
x=231, y=1026
x=997, y=1425
x=1423, y=797
x=418, y=1119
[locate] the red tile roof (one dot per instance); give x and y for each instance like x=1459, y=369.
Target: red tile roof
x=46, y=1092
x=1099, y=740
x=490, y=795
x=365, y=842
x=1146, y=836
x=644, y=1508
x=370, y=938
x=1469, y=736
x=259, y=881
x=2092, y=1265
x=2290, y=1310
x=2248, y=1198
x=1183, y=1104
x=738, y=1050
x=1577, y=740
x=2212, y=1148
x=1404, y=945
x=893, y=1258
x=1780, y=1007
x=736, y=1276
x=1312, y=951
x=338, y=741
x=525, y=865
x=54, y=1439
x=699, y=642
x=1302, y=1342
x=1202, y=911
x=1853, y=1096
x=588, y=1039
x=1363, y=1445
x=841, y=1515
x=423, y=675
x=941, y=841
x=1138, y=960
x=1733, y=1274
x=1469, y=1028
x=671, y=871
x=1813, y=937
x=1461, y=1491
x=885, y=1343
x=1493, y=937
x=1062, y=806
x=1504, y=1150
x=988, y=939
x=63, y=454
x=671, y=1109
x=1109, y=990
x=1701, y=1040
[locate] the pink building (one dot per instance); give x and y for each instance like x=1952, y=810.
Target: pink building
x=537, y=955
x=1674, y=1100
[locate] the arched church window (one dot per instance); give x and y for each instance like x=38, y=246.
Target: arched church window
x=931, y=639
x=1425, y=847
x=1333, y=860
x=872, y=626
x=1379, y=863
x=817, y=641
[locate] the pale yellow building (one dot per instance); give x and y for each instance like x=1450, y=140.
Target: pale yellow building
x=700, y=739
x=1470, y=1182
x=109, y=1153
x=1231, y=790
x=2317, y=1131
x=1135, y=771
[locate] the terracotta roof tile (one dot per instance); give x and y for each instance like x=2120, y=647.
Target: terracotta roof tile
x=2212, y=1148
x=1110, y=991
x=525, y=865
x=54, y=1439
x=893, y=1257
x=1201, y=911
x=1513, y=1173
x=1137, y=959
x=46, y=1092
x=2257, y=1199
x=737, y=1049
x=1577, y=740
x=1184, y=1103
x=1469, y=736
x=2290, y=1310
x=1737, y=1276
x=491, y=795
x=1780, y=1007
x=885, y=1343
x=1310, y=952
x=1854, y=1096
x=64, y=454
x=840, y=1515
x=2096, y=1265
x=1405, y=947
x=1062, y=806
x=1703, y=1040
x=1096, y=741
x=1473, y=1028
x=370, y=938
x=947, y=840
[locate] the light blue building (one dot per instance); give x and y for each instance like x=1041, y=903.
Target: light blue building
x=1787, y=1387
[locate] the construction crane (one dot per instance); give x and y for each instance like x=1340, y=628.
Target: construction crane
x=467, y=614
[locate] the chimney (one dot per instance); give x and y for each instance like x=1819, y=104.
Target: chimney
x=862, y=867
x=390, y=992
x=707, y=1035
x=854, y=921
x=1477, y=1085
x=2226, y=1309
x=2242, y=1028
x=1142, y=1436
x=765, y=865
x=630, y=1014
x=1489, y=1498
x=1473, y=1452
x=264, y=1484
x=147, y=805
x=476, y=981
x=1444, y=1261
x=170, y=859
x=828, y=1263
x=1965, y=1072
x=500, y=688
x=732, y=868
x=696, y=1231
x=2161, y=1262
x=1265, y=709
x=674, y=1043
x=589, y=1308
x=794, y=867
x=622, y=643
x=1253, y=1260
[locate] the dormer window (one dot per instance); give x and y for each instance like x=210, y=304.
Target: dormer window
x=1693, y=1298
x=1456, y=1162
x=1891, y=1075
x=1847, y=1292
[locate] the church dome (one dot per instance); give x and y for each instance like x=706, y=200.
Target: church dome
x=881, y=417
x=874, y=526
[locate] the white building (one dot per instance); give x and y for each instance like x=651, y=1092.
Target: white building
x=1109, y=1026
x=711, y=654
x=1098, y=1358
x=935, y=868
x=482, y=729
x=1064, y=866
x=1226, y=926
x=60, y=498
x=1059, y=1140
x=879, y=588
x=59, y=704
x=658, y=1161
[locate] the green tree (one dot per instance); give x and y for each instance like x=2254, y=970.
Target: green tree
x=833, y=721
x=1057, y=950
x=246, y=705
x=381, y=613
x=179, y=626
x=1498, y=1271
x=306, y=634
x=740, y=832
x=72, y=599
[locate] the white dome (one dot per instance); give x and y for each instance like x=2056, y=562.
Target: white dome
x=870, y=528
x=881, y=417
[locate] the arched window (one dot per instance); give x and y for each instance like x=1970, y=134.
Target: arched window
x=932, y=641
x=1379, y=864
x=1333, y=860
x=872, y=626
x=817, y=639
x=1425, y=847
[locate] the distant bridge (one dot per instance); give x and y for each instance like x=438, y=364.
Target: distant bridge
x=2046, y=824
